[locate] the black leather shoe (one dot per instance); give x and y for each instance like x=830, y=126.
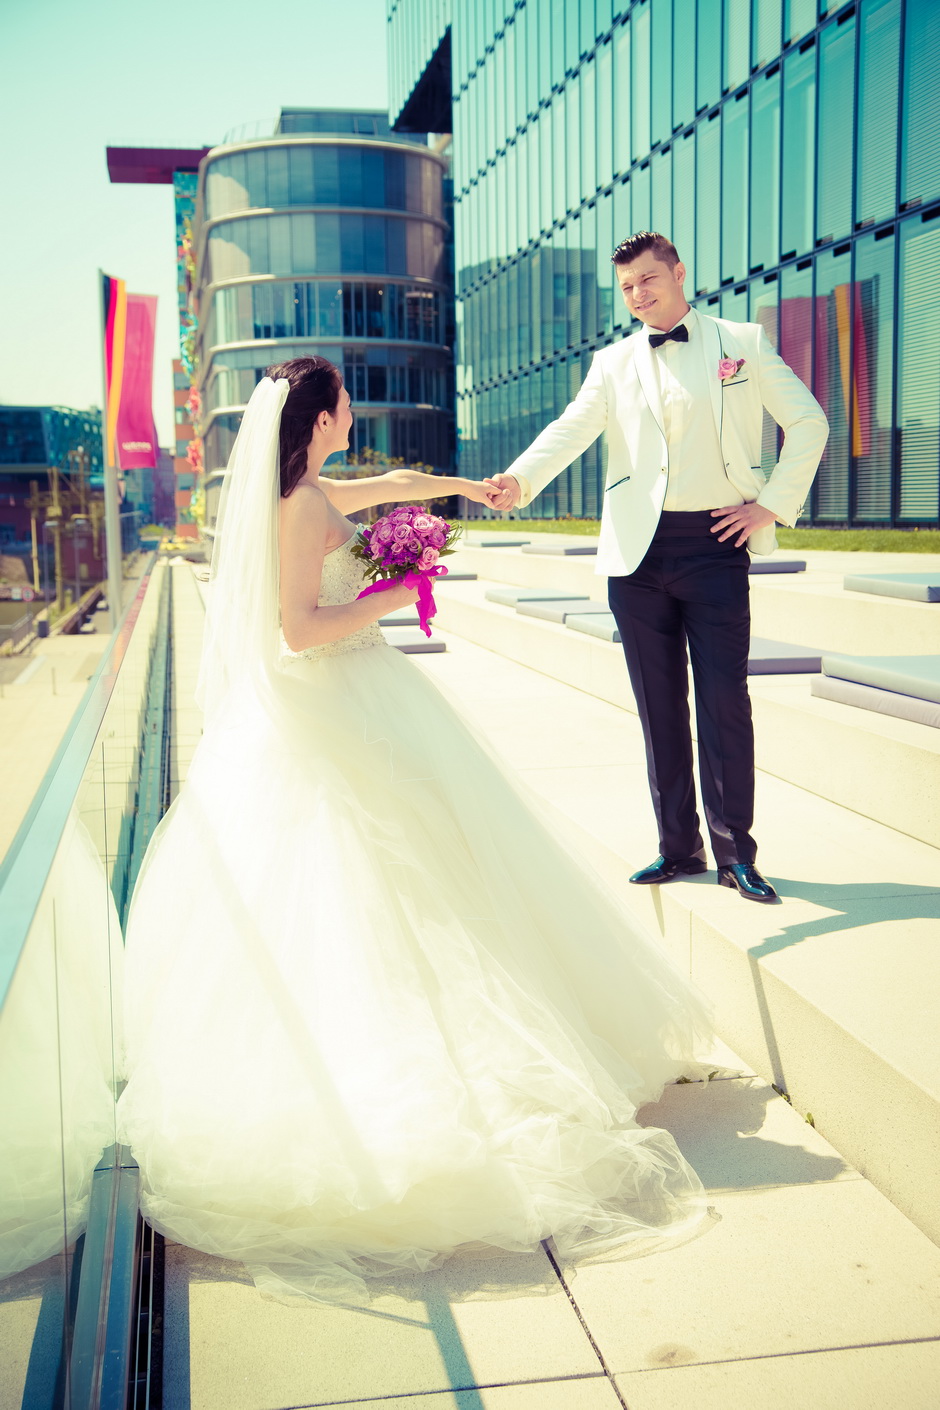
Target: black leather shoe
x=748, y=881
x=665, y=868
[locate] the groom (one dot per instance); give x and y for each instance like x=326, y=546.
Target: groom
x=682, y=403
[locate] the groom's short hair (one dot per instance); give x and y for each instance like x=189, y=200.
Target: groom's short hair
x=663, y=250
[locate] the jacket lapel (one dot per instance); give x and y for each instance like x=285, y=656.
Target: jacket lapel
x=649, y=381
x=711, y=344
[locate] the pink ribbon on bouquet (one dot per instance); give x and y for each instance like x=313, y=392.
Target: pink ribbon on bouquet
x=422, y=581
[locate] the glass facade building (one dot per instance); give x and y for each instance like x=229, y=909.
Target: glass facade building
x=328, y=237
x=791, y=148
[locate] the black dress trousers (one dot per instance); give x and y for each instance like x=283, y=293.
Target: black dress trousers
x=691, y=589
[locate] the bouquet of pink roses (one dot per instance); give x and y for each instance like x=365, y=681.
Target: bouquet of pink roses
x=405, y=547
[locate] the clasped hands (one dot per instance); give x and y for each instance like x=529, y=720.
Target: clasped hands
x=501, y=491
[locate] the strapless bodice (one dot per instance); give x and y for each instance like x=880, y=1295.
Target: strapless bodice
x=341, y=581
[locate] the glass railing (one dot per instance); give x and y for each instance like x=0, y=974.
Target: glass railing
x=64, y=887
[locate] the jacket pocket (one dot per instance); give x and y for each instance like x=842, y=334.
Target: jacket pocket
x=622, y=481
x=726, y=385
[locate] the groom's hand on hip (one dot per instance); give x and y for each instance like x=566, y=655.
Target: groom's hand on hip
x=741, y=519
x=505, y=491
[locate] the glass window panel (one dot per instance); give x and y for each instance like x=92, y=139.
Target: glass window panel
x=734, y=192
x=588, y=269
x=588, y=29
x=623, y=228
x=642, y=197
x=518, y=206
x=836, y=122
x=604, y=120
x=558, y=45
x=282, y=317
x=370, y=189
x=873, y=369
x=661, y=78
x=765, y=40
x=547, y=297
x=920, y=139
x=604, y=243
x=328, y=243
x=661, y=168
x=799, y=17
x=373, y=241
x=919, y=369
x=572, y=11
x=683, y=63
x=737, y=42
x=623, y=152
x=799, y=139
x=707, y=58
x=255, y=173
x=544, y=44
x=258, y=256
x=510, y=39
x=498, y=80
x=707, y=207
x=303, y=244
x=546, y=166
x=763, y=309
x=523, y=57
x=589, y=181
x=559, y=153
x=350, y=176
x=879, y=58
x=300, y=162
x=734, y=304
x=640, y=111
x=765, y=172
x=501, y=226
x=683, y=206
x=831, y=381
x=263, y=310
x=351, y=244
x=326, y=175
x=278, y=185
x=572, y=98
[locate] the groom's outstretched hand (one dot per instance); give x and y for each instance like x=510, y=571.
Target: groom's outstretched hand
x=741, y=519
x=505, y=491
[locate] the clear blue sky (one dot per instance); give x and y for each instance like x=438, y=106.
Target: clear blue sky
x=82, y=77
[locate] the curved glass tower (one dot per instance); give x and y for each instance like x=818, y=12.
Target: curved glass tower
x=328, y=237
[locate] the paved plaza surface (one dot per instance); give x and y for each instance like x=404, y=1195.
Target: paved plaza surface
x=817, y=1284
x=811, y=1290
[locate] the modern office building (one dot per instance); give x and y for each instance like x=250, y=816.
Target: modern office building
x=50, y=473
x=327, y=237
x=791, y=149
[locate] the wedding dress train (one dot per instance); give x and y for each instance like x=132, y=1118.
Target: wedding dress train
x=376, y=1010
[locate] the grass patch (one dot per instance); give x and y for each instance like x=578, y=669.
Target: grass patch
x=842, y=540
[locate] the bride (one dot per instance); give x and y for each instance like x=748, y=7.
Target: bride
x=375, y=1010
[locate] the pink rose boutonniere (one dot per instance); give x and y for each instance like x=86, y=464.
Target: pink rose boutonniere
x=729, y=367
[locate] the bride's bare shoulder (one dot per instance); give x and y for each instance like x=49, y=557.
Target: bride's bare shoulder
x=305, y=501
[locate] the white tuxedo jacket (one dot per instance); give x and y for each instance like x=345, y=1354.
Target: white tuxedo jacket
x=620, y=395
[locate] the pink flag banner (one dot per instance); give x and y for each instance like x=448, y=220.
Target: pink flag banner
x=136, y=433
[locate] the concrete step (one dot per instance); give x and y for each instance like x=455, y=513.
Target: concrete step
x=832, y=995
x=811, y=608
x=887, y=769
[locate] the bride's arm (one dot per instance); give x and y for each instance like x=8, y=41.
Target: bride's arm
x=303, y=524
x=399, y=485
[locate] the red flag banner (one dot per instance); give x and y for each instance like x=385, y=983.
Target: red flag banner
x=136, y=434
x=114, y=294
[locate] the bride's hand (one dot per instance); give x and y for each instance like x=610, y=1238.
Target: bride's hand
x=481, y=491
x=398, y=596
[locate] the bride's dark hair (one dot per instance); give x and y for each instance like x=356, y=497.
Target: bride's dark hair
x=315, y=385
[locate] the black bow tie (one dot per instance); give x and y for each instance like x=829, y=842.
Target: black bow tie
x=681, y=335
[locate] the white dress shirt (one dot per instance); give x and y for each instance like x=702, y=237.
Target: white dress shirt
x=697, y=478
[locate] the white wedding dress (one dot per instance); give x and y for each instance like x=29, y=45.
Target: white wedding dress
x=376, y=1010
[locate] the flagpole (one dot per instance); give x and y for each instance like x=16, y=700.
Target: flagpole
x=112, y=522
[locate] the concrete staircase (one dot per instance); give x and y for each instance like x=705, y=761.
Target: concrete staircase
x=833, y=996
